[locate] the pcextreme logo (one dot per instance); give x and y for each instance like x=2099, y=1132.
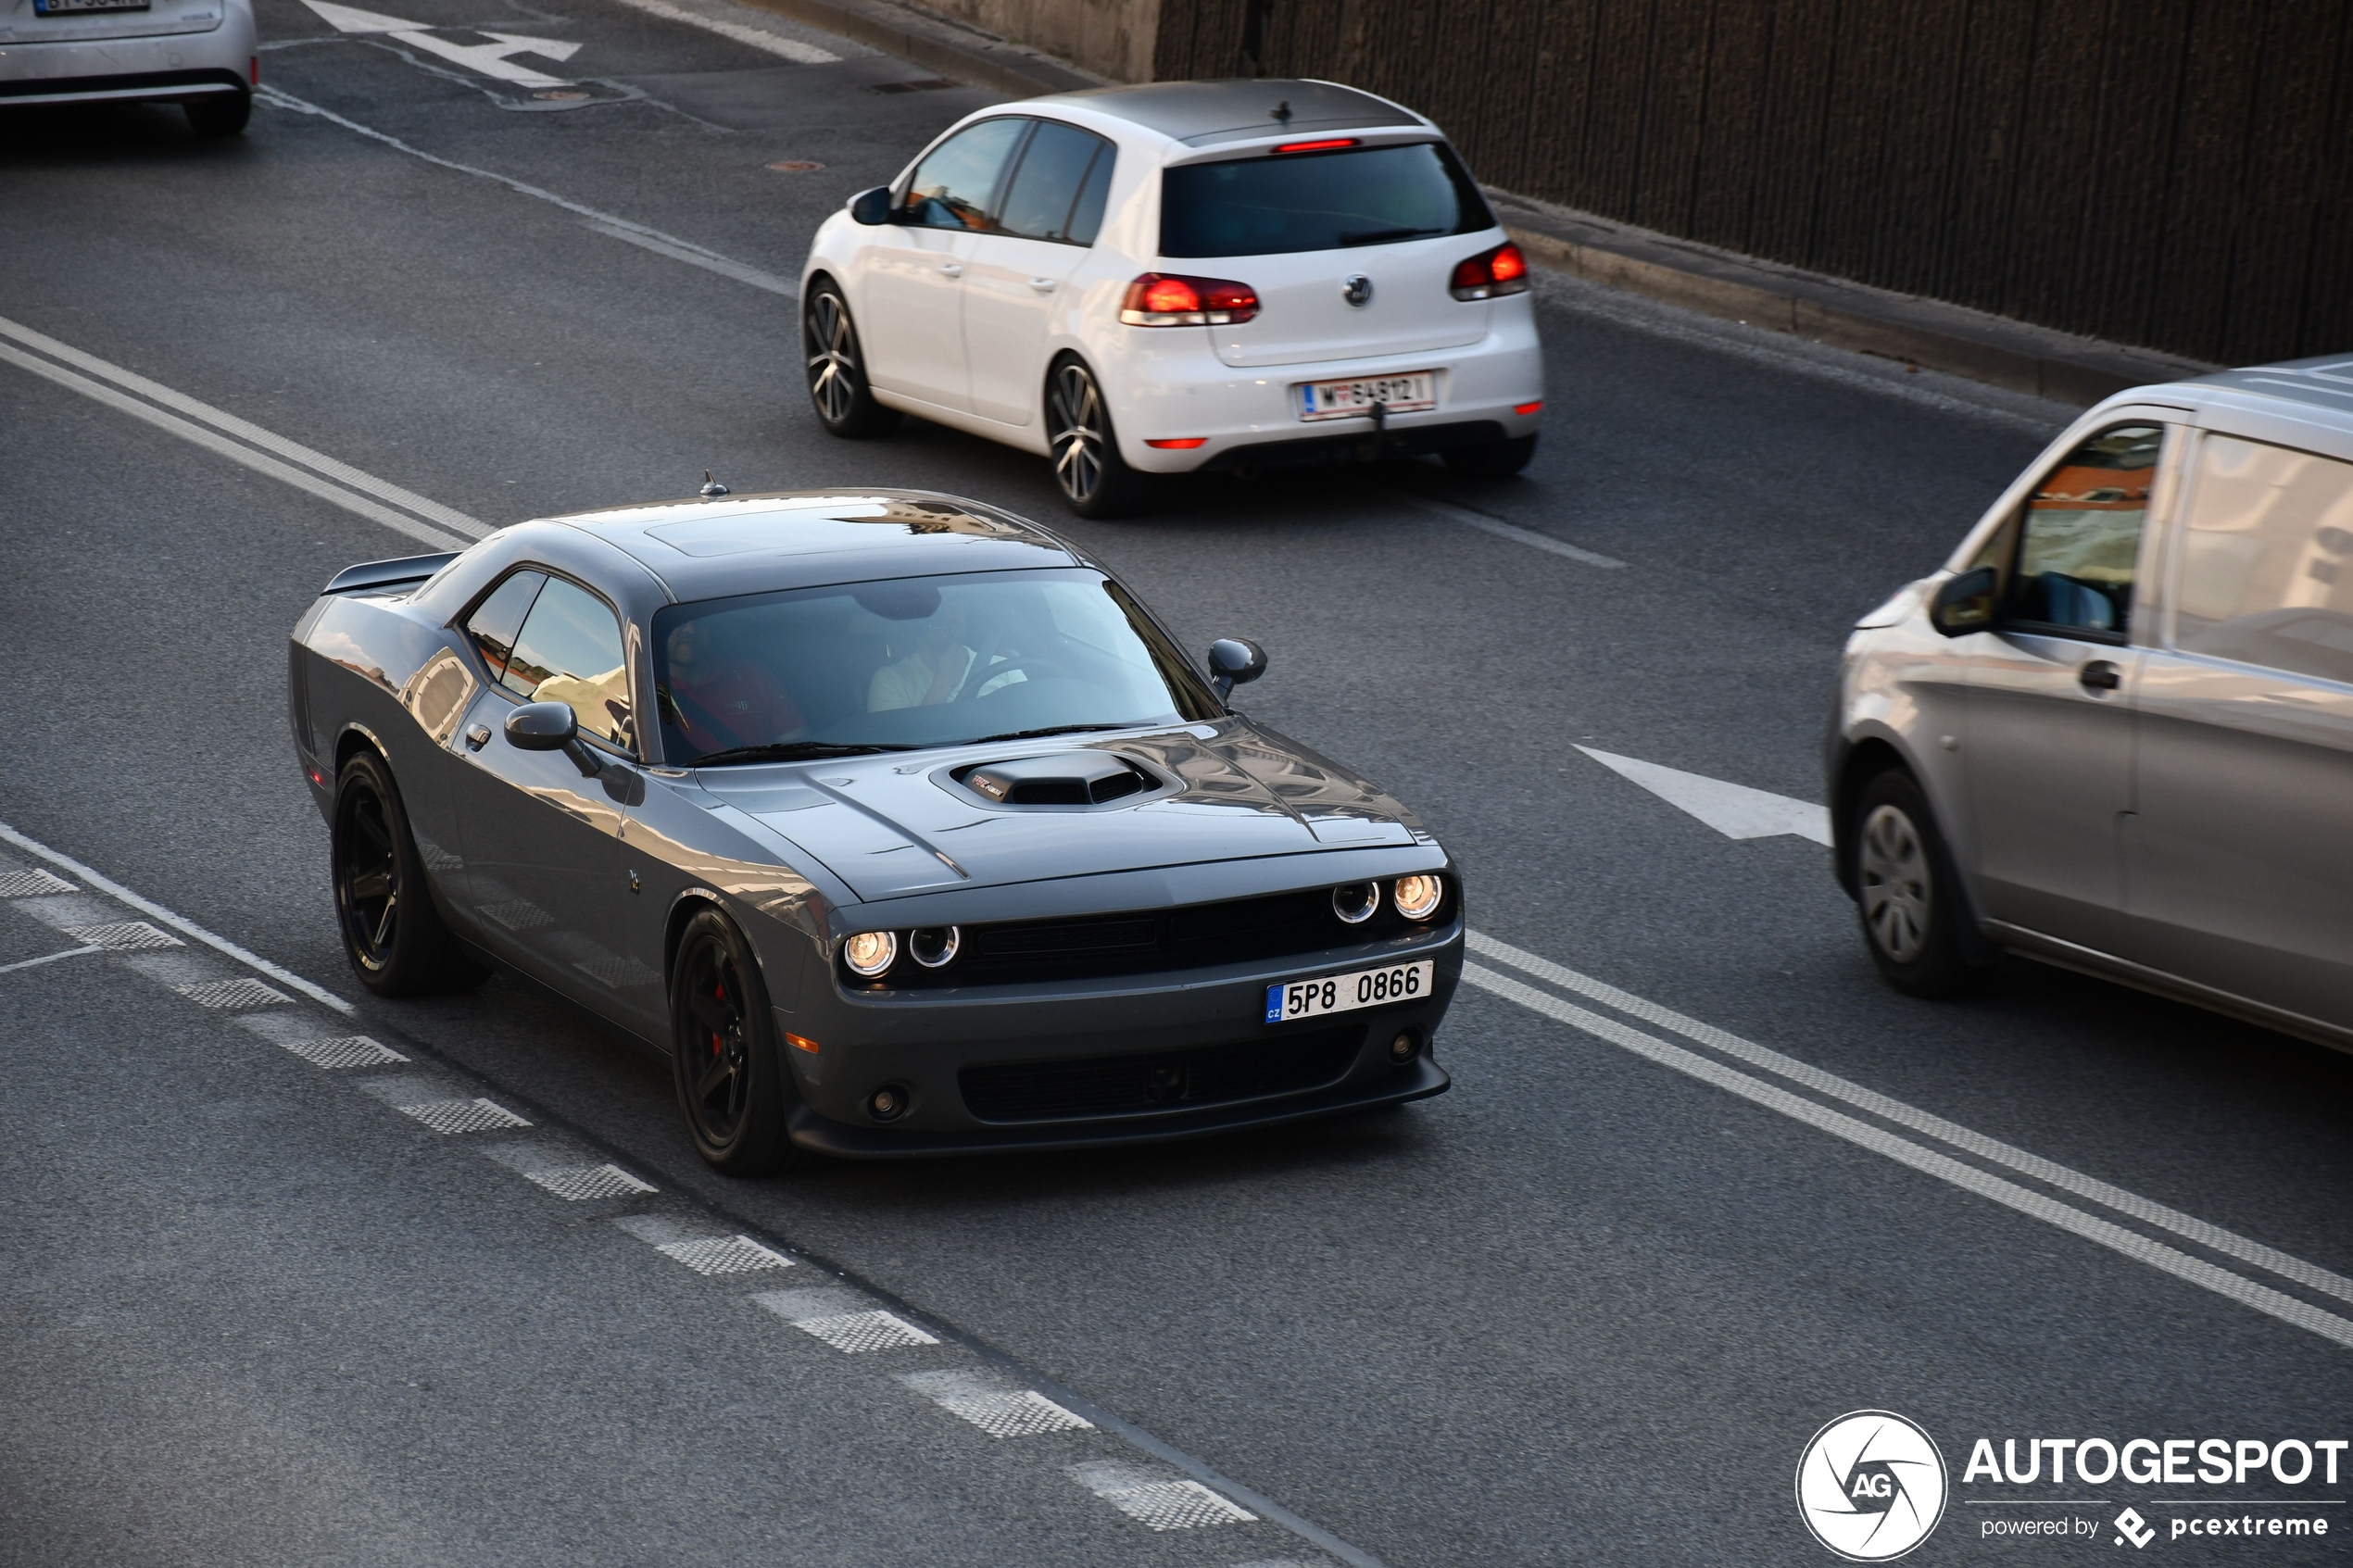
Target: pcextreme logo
x=1871, y=1486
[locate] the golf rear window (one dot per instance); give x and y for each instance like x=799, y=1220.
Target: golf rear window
x=1268, y=206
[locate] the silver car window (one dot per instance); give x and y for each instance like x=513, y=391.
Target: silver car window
x=569, y=651
x=2267, y=560
x=2080, y=536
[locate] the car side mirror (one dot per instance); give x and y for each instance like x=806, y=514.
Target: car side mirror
x=551, y=726
x=1234, y=661
x=1965, y=604
x=871, y=207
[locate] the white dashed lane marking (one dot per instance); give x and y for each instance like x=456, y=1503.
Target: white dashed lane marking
x=996, y=1410
x=235, y=993
x=576, y=1183
x=843, y=1319
x=124, y=937
x=1157, y=1502
x=463, y=1115
x=725, y=1255
x=51, y=958
x=33, y=883
x=348, y=1050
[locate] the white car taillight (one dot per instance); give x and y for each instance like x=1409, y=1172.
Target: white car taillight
x=1169, y=299
x=1490, y=274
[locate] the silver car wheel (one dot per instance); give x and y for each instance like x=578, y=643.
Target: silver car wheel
x=1891, y=864
x=833, y=367
x=1078, y=432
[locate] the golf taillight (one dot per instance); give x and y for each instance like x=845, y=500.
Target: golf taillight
x=1490, y=274
x=1171, y=299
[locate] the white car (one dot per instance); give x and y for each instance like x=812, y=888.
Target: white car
x=198, y=54
x=1179, y=276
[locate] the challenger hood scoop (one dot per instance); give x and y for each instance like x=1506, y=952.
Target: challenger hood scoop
x=888, y=827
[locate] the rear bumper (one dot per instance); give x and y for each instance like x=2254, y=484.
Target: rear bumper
x=1168, y=385
x=159, y=86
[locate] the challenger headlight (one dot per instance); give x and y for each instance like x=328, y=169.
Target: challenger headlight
x=1418, y=897
x=870, y=952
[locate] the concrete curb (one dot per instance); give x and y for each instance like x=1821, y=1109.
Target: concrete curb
x=969, y=55
x=1931, y=333
x=1927, y=332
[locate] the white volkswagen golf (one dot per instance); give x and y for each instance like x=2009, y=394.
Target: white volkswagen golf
x=1179, y=276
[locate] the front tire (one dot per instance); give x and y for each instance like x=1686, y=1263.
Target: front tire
x=838, y=385
x=1093, y=477
x=391, y=934
x=733, y=1086
x=1904, y=891
x=220, y=114
x=1491, y=459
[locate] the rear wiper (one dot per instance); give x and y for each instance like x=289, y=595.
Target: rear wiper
x=1051, y=730
x=793, y=751
x=1374, y=236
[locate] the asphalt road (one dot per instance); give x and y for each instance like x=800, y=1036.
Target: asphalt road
x=1587, y=1307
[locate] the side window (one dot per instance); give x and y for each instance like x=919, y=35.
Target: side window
x=2267, y=560
x=494, y=623
x=952, y=186
x=1046, y=197
x=2080, y=537
x=569, y=651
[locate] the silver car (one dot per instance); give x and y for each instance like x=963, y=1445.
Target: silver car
x=2115, y=733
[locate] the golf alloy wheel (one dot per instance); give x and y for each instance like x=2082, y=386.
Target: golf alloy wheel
x=1094, y=479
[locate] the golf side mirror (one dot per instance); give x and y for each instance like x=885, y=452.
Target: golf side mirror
x=1234, y=661
x=1965, y=604
x=871, y=207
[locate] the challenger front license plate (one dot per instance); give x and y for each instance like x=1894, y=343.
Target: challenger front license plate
x=1346, y=399
x=1346, y=993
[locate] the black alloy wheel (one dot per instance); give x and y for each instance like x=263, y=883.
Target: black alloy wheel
x=1491, y=459
x=730, y=1085
x=1095, y=480
x=1905, y=890
x=391, y=931
x=838, y=386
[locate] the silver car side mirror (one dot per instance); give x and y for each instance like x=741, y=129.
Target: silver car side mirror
x=1965, y=604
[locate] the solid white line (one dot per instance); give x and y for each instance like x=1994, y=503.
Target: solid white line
x=1513, y=532
x=654, y=240
x=2132, y=1243
x=53, y=958
x=181, y=923
x=2230, y=1243
x=790, y=48
x=215, y=442
x=448, y=517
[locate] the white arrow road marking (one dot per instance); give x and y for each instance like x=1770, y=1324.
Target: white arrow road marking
x=490, y=59
x=1734, y=810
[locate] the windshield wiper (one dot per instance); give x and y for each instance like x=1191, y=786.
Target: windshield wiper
x=1374, y=236
x=1052, y=730
x=794, y=752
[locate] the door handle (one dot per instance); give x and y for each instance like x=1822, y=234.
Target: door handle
x=1043, y=285
x=953, y=268
x=2100, y=675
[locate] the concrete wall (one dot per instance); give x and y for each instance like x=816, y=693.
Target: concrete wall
x=1113, y=38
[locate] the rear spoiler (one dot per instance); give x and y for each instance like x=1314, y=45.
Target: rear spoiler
x=386, y=573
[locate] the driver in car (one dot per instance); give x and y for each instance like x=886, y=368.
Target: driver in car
x=936, y=672
x=722, y=701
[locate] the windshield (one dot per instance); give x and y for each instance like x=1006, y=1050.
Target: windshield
x=913, y=662
x=1317, y=200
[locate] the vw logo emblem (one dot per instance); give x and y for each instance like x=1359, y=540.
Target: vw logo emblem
x=1356, y=288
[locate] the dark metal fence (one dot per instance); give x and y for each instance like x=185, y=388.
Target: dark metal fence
x=2174, y=173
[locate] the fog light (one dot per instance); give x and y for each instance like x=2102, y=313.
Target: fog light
x=1418, y=897
x=935, y=946
x=1356, y=901
x=1405, y=1047
x=888, y=1103
x=870, y=952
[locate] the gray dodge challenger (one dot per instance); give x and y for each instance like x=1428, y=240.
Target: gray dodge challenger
x=899, y=822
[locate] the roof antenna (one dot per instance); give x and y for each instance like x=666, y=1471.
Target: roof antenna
x=1282, y=112
x=712, y=489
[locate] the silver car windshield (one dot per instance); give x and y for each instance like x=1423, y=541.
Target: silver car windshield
x=911, y=664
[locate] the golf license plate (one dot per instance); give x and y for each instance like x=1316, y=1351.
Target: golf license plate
x=1408, y=393
x=1346, y=993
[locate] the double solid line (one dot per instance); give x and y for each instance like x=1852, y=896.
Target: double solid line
x=239, y=440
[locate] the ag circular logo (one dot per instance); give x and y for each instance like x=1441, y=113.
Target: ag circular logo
x=1870, y=1486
